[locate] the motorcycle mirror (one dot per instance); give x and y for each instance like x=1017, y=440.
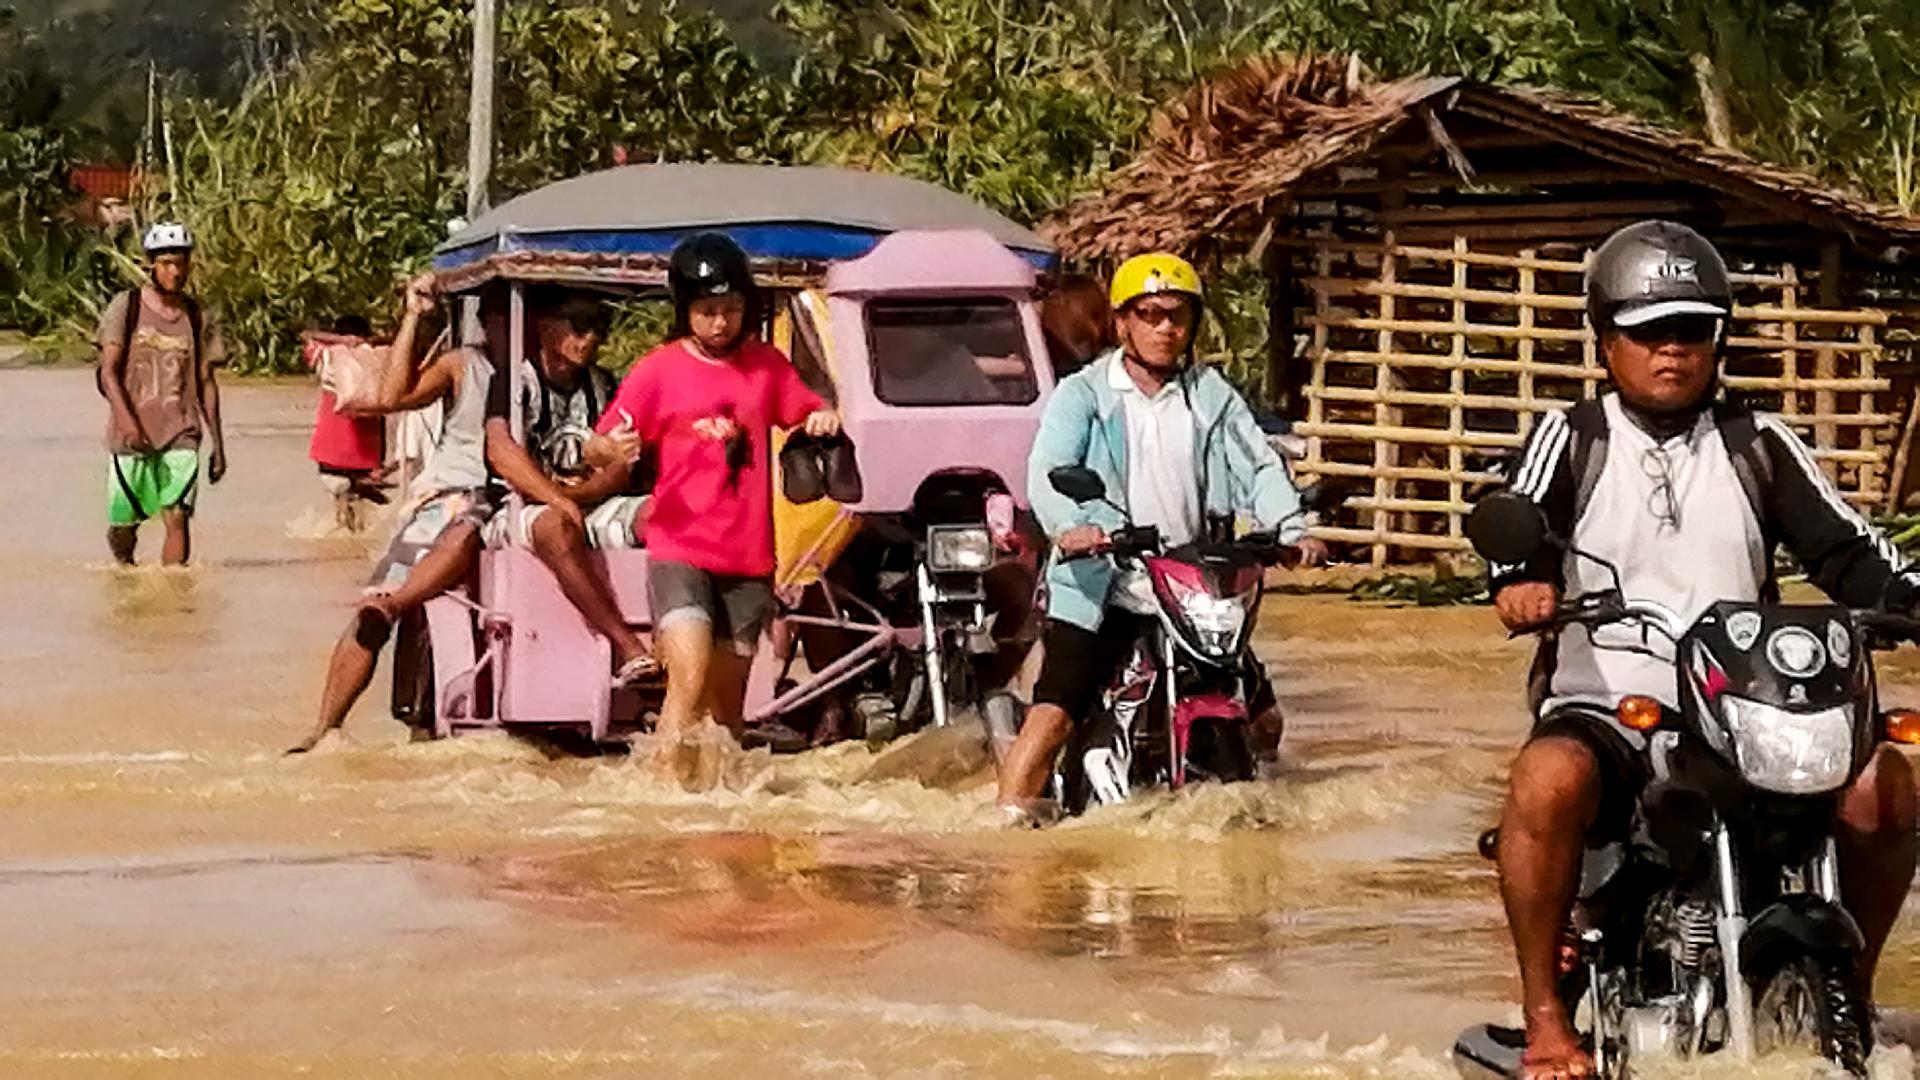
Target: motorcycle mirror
x=1077, y=482
x=1506, y=528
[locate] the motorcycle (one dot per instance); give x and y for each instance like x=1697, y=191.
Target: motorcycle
x=1718, y=924
x=1179, y=711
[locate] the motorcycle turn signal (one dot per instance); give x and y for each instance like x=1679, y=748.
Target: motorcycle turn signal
x=1901, y=726
x=1639, y=713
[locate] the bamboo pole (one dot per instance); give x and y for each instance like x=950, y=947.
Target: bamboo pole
x=1385, y=450
x=1528, y=297
x=1457, y=383
x=1870, y=475
x=1540, y=212
x=1317, y=367
x=1369, y=433
x=1902, y=455
x=1407, y=472
x=1419, y=541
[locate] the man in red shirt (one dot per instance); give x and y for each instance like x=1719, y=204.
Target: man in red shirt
x=707, y=402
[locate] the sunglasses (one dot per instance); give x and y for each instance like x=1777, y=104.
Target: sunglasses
x=1677, y=330
x=1180, y=314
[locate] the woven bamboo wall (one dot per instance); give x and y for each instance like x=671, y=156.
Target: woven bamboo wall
x=1428, y=360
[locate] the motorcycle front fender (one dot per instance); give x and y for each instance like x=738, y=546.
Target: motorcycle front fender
x=1801, y=924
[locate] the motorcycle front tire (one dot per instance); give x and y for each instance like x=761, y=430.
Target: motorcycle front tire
x=1814, y=1001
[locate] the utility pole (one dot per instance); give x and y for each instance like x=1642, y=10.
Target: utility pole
x=486, y=21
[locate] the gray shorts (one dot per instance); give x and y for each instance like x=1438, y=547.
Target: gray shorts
x=610, y=524
x=738, y=608
x=422, y=529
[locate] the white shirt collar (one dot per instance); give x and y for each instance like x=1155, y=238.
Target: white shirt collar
x=1121, y=379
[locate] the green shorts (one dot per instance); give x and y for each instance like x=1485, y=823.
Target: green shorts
x=140, y=486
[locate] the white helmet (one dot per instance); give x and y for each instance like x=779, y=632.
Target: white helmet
x=167, y=236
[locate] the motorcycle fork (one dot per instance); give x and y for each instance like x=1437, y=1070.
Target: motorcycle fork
x=930, y=644
x=1176, y=753
x=1730, y=926
x=933, y=643
x=1596, y=996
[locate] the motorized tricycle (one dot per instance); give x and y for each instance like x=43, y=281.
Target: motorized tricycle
x=1717, y=923
x=912, y=309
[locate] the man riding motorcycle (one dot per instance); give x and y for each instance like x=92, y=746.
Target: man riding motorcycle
x=1174, y=443
x=1688, y=498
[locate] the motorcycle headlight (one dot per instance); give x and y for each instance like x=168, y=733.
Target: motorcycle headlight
x=1792, y=753
x=1216, y=621
x=954, y=549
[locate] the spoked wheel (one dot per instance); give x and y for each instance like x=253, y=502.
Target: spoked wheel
x=1813, y=1004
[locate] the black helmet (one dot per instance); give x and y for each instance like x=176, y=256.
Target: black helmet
x=708, y=264
x=1654, y=270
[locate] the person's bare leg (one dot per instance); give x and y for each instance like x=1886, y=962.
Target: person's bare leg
x=351, y=668
x=564, y=549
x=444, y=566
x=1876, y=845
x=121, y=540
x=727, y=687
x=686, y=648
x=1029, y=761
x=179, y=543
x=1552, y=800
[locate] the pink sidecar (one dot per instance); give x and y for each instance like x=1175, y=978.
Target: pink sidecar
x=913, y=309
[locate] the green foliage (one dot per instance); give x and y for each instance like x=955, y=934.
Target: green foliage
x=336, y=164
x=53, y=275
x=1440, y=589
x=1019, y=103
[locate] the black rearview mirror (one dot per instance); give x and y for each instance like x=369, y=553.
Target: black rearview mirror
x=1506, y=528
x=1077, y=482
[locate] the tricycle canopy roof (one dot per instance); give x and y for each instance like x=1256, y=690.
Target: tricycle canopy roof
x=934, y=261
x=617, y=226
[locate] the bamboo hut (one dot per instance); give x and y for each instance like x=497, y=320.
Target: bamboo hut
x=1422, y=243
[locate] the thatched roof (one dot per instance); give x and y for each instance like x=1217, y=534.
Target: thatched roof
x=1221, y=156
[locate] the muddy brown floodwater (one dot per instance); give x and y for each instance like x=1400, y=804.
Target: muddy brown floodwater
x=178, y=900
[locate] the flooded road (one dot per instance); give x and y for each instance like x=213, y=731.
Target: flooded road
x=176, y=899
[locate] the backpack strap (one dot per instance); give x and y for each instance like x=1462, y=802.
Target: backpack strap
x=134, y=300
x=1586, y=451
x=1752, y=464
x=193, y=354
x=127, y=328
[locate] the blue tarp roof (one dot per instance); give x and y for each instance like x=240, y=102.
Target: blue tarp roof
x=776, y=212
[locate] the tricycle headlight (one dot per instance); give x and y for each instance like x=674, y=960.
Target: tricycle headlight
x=954, y=549
x=1792, y=753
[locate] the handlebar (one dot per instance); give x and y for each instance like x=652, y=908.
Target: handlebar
x=1881, y=629
x=1125, y=542
x=1885, y=630
x=1593, y=610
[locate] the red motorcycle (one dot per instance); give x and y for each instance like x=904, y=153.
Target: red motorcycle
x=1182, y=707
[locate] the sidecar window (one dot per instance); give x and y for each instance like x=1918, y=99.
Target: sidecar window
x=970, y=351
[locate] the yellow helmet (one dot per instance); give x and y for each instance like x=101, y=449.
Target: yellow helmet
x=1146, y=275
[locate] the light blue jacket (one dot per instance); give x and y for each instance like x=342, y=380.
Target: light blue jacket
x=1085, y=424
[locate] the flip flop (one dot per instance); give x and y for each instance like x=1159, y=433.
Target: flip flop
x=775, y=736
x=634, y=670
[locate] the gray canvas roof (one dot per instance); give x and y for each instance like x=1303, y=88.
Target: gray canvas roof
x=642, y=198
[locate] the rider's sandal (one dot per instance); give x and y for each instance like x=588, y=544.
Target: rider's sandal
x=634, y=670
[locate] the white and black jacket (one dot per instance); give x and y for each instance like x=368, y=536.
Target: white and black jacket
x=1689, y=519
